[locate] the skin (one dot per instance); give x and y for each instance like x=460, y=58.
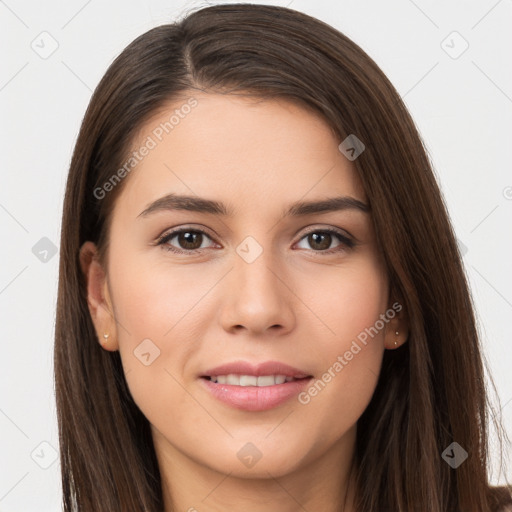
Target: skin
x=293, y=304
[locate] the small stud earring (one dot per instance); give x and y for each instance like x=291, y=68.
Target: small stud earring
x=396, y=341
x=106, y=337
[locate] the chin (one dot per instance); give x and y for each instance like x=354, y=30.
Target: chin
x=249, y=461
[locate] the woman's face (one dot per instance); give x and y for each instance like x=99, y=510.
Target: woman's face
x=260, y=279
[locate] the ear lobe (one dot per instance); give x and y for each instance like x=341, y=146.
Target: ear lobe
x=398, y=324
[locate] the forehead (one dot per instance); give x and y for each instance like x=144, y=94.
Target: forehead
x=251, y=153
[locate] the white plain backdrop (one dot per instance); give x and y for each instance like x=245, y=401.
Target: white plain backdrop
x=448, y=62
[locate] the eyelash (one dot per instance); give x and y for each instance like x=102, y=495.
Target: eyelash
x=346, y=243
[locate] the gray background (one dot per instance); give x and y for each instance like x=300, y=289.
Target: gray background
x=460, y=99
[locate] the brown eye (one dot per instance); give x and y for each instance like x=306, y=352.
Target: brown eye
x=187, y=240
x=322, y=239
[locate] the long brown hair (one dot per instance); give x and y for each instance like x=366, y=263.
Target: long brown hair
x=431, y=391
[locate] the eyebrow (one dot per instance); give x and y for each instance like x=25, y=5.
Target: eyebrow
x=172, y=201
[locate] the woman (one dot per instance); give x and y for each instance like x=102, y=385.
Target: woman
x=261, y=301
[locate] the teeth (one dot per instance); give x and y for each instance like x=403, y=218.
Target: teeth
x=232, y=379
x=244, y=380
x=250, y=380
x=265, y=380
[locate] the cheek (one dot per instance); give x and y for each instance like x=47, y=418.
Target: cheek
x=351, y=352
x=158, y=300
x=161, y=310
x=349, y=301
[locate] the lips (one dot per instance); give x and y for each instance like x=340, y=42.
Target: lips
x=254, y=387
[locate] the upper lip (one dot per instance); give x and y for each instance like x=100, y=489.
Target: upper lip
x=258, y=370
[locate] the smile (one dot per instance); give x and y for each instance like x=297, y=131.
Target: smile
x=251, y=380
x=248, y=393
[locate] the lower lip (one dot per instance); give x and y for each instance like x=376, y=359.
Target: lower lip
x=255, y=398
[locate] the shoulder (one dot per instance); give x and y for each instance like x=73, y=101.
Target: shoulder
x=502, y=499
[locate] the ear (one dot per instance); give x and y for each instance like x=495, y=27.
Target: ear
x=399, y=323
x=98, y=297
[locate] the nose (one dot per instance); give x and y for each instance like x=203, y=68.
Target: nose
x=258, y=298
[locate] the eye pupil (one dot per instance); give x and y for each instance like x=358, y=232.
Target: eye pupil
x=186, y=239
x=314, y=237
